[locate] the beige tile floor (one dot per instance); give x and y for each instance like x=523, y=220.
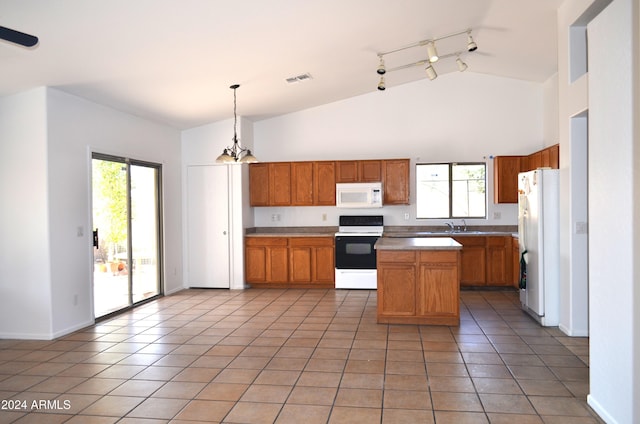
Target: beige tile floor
x=298, y=356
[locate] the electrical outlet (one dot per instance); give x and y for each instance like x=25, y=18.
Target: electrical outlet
x=497, y=215
x=406, y=216
x=324, y=216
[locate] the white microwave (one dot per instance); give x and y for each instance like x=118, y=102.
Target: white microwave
x=359, y=195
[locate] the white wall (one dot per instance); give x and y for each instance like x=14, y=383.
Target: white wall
x=613, y=275
x=572, y=124
x=47, y=139
x=457, y=117
x=201, y=146
x=76, y=127
x=25, y=266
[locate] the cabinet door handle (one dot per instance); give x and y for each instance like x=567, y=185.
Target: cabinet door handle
x=224, y=233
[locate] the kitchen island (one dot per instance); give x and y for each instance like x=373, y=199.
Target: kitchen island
x=418, y=280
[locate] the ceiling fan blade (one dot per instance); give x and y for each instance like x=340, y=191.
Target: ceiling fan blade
x=18, y=37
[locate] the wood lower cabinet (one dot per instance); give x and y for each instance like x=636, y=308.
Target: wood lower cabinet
x=290, y=261
x=499, y=261
x=266, y=260
x=473, y=260
x=487, y=261
x=419, y=287
x=311, y=260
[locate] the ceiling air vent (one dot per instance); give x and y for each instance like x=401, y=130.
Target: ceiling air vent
x=298, y=78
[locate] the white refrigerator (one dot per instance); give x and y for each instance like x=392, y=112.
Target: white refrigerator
x=539, y=240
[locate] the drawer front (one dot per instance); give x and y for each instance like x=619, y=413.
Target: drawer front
x=311, y=241
x=396, y=256
x=265, y=241
x=439, y=256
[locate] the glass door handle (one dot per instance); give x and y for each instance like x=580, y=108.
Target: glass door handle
x=95, y=238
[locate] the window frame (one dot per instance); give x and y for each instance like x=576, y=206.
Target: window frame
x=450, y=166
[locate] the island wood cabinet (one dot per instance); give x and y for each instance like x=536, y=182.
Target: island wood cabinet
x=314, y=183
x=418, y=287
x=506, y=169
x=290, y=261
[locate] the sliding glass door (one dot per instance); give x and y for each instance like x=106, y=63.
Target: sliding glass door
x=127, y=237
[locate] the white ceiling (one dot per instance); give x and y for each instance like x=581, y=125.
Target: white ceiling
x=173, y=61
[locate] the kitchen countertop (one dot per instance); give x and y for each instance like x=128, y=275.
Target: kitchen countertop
x=290, y=234
x=417, y=243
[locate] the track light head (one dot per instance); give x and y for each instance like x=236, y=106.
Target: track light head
x=381, y=85
x=461, y=65
x=431, y=73
x=432, y=53
x=381, y=69
x=471, y=45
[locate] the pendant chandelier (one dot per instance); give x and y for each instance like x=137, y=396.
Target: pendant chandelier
x=235, y=153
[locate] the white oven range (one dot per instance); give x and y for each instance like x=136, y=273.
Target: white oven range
x=355, y=254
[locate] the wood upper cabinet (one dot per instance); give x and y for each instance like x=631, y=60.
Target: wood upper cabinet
x=301, y=183
x=499, y=261
x=473, y=260
x=506, y=169
x=324, y=183
x=395, y=181
x=418, y=287
x=292, y=183
x=280, y=183
x=259, y=184
x=358, y=171
x=505, y=178
x=535, y=160
x=347, y=171
x=370, y=171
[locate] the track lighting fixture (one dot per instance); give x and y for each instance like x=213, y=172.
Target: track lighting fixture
x=432, y=53
x=461, y=65
x=431, y=73
x=235, y=153
x=471, y=45
x=381, y=69
x=432, y=56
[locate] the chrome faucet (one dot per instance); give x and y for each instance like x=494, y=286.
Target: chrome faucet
x=451, y=226
x=464, y=224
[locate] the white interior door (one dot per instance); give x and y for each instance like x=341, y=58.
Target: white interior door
x=208, y=226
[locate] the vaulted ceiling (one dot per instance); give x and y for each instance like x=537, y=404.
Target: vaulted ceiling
x=173, y=61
